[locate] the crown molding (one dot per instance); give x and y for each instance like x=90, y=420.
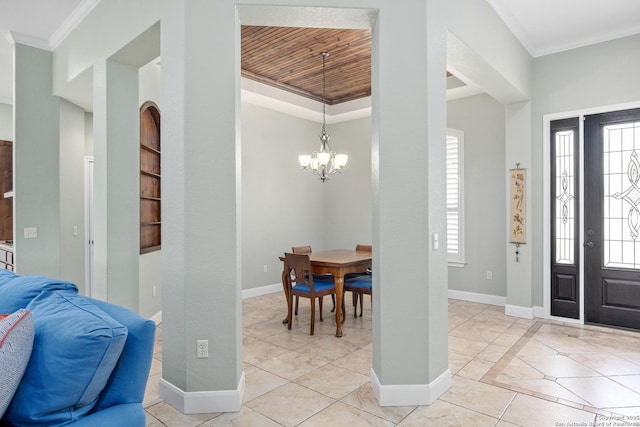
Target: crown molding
x=6, y=100
x=266, y=96
x=79, y=13
x=15, y=37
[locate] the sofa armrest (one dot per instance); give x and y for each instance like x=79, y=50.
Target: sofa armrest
x=129, y=378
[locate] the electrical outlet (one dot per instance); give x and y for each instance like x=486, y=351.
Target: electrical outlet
x=202, y=349
x=489, y=275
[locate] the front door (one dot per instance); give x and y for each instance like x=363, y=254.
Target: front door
x=565, y=267
x=612, y=218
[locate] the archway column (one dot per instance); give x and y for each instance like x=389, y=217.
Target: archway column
x=36, y=167
x=201, y=276
x=116, y=183
x=410, y=306
x=518, y=150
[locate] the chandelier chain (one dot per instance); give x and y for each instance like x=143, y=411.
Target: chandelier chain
x=324, y=87
x=323, y=162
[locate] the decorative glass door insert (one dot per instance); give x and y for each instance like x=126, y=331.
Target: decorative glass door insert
x=565, y=289
x=621, y=167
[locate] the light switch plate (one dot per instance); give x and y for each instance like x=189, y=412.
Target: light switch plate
x=30, y=233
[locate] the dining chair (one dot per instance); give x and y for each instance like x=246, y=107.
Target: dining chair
x=316, y=277
x=302, y=284
x=358, y=283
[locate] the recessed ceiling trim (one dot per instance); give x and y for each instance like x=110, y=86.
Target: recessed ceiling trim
x=308, y=17
x=298, y=106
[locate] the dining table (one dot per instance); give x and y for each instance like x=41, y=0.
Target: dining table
x=337, y=262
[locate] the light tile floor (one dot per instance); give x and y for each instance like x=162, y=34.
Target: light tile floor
x=506, y=372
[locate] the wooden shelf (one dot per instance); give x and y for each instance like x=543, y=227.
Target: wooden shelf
x=151, y=174
x=150, y=179
x=151, y=150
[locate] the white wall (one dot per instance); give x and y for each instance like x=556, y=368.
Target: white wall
x=482, y=120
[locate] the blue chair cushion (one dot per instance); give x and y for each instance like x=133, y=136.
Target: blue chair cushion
x=17, y=291
x=318, y=286
x=324, y=278
x=361, y=282
x=16, y=342
x=75, y=349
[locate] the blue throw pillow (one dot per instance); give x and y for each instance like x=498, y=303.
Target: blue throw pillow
x=17, y=291
x=75, y=349
x=16, y=342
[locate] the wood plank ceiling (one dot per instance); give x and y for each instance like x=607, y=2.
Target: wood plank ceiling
x=290, y=59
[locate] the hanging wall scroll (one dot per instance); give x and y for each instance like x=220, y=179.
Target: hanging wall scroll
x=517, y=233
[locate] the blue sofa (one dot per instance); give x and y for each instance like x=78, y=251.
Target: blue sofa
x=89, y=362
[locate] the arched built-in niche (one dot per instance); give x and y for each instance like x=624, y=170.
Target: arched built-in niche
x=150, y=179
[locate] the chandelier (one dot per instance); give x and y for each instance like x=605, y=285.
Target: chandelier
x=324, y=162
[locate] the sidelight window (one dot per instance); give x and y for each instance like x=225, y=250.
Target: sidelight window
x=455, y=205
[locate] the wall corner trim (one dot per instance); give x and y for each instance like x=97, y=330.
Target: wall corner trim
x=410, y=394
x=203, y=402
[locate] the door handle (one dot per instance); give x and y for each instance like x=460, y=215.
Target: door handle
x=589, y=244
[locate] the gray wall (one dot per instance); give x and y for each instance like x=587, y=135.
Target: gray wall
x=593, y=76
x=36, y=145
x=150, y=283
x=72, y=204
x=285, y=206
x=348, y=208
x=282, y=205
x=482, y=120
x=6, y=122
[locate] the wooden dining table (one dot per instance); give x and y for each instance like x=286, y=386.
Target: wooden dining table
x=337, y=262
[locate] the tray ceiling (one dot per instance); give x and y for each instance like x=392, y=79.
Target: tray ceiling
x=290, y=59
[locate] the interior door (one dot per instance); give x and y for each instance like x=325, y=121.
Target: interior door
x=612, y=218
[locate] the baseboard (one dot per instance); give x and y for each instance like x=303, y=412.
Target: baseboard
x=538, y=312
x=202, y=402
x=410, y=394
x=518, y=311
x=157, y=318
x=476, y=297
x=262, y=290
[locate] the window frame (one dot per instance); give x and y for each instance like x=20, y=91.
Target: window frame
x=457, y=258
